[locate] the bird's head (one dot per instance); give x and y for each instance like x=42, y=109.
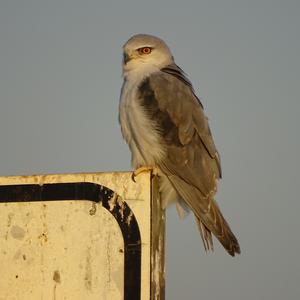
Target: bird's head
x=143, y=51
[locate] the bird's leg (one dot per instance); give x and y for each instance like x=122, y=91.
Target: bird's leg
x=140, y=170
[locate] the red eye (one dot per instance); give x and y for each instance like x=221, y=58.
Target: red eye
x=145, y=50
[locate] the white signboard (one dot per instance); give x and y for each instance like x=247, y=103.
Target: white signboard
x=80, y=236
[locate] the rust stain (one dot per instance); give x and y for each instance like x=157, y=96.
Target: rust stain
x=9, y=218
x=93, y=209
x=54, y=292
x=56, y=276
x=108, y=259
x=43, y=237
x=88, y=270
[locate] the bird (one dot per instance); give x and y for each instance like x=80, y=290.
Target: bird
x=164, y=124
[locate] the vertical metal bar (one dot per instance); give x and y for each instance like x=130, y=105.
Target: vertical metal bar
x=157, y=244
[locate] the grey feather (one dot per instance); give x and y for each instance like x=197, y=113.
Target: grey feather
x=192, y=163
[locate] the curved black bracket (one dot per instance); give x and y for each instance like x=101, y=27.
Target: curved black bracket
x=96, y=193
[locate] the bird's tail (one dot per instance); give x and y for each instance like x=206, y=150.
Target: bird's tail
x=220, y=229
x=208, y=215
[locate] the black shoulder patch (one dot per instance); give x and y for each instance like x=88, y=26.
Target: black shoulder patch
x=150, y=103
x=178, y=73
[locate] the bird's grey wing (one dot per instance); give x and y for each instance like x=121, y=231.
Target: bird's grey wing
x=200, y=122
x=192, y=164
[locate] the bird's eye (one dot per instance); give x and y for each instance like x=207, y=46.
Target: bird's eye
x=145, y=50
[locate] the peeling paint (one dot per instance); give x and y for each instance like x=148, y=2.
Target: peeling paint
x=112, y=202
x=122, y=207
x=129, y=218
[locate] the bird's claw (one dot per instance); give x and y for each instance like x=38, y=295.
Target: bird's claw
x=140, y=170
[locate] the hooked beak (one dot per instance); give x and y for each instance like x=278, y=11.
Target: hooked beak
x=126, y=58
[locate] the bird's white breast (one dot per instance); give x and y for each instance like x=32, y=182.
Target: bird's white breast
x=142, y=136
x=139, y=131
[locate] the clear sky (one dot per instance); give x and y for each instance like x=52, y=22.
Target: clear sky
x=60, y=79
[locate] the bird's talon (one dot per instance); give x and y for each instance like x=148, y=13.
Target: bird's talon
x=133, y=177
x=140, y=170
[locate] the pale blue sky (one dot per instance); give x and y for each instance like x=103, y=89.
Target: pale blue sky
x=60, y=78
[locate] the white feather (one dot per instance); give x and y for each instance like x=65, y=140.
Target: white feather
x=169, y=196
x=139, y=131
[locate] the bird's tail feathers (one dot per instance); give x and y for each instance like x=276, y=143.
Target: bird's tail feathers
x=205, y=236
x=208, y=215
x=220, y=228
